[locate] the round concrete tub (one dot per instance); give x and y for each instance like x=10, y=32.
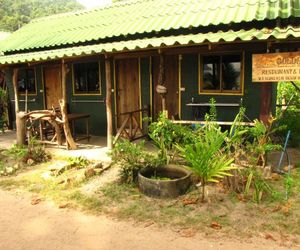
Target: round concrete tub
x=180, y=181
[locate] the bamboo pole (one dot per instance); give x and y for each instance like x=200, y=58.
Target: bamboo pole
x=109, y=115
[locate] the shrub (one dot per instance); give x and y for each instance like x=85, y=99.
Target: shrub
x=289, y=118
x=36, y=152
x=131, y=158
x=165, y=134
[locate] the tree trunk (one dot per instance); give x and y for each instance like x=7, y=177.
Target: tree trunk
x=16, y=90
x=109, y=104
x=69, y=138
x=21, y=130
x=203, y=190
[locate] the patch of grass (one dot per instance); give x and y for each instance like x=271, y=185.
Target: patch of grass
x=125, y=201
x=89, y=203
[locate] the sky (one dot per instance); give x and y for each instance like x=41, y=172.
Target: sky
x=93, y=3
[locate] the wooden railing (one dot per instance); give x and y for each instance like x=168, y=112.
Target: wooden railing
x=131, y=128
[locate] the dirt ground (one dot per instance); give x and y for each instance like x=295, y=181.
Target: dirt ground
x=44, y=226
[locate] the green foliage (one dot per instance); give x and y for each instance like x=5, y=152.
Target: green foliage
x=212, y=115
x=131, y=158
x=288, y=184
x=206, y=158
x=260, y=142
x=166, y=134
x=17, y=151
x=36, y=152
x=16, y=13
x=289, y=119
x=79, y=161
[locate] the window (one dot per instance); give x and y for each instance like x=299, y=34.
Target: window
x=26, y=81
x=86, y=78
x=221, y=74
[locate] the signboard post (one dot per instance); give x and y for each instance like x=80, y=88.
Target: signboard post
x=276, y=67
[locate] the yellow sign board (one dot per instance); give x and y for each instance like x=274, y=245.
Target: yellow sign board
x=276, y=67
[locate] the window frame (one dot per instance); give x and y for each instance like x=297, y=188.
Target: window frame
x=99, y=74
x=221, y=91
x=23, y=93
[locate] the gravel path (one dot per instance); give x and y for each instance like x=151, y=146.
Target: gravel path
x=44, y=226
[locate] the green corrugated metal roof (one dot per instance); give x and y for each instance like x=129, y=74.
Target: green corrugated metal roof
x=144, y=16
x=4, y=35
x=229, y=36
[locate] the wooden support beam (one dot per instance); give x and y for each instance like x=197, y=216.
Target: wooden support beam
x=16, y=89
x=109, y=115
x=20, y=116
x=69, y=138
x=265, y=102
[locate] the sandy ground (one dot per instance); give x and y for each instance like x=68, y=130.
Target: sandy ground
x=44, y=226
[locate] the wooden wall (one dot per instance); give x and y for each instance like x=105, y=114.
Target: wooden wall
x=188, y=71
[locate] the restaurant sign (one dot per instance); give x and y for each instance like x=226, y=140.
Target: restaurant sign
x=276, y=67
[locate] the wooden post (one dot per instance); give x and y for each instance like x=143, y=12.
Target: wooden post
x=69, y=138
x=16, y=89
x=21, y=130
x=109, y=115
x=265, y=102
x=161, y=76
x=161, y=79
x=20, y=116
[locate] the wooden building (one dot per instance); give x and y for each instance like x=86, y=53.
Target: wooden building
x=110, y=60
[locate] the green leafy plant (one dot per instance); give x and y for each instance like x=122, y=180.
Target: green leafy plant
x=206, y=158
x=131, y=157
x=36, y=152
x=79, y=161
x=165, y=134
x=288, y=184
x=289, y=116
x=17, y=151
x=260, y=142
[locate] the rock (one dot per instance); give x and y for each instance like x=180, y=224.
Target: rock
x=97, y=165
x=286, y=168
x=10, y=170
x=275, y=177
x=267, y=172
x=30, y=162
x=16, y=166
x=89, y=172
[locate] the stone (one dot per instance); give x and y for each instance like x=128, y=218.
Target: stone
x=30, y=162
x=10, y=170
x=89, y=172
x=97, y=165
x=16, y=166
x=267, y=172
x=275, y=177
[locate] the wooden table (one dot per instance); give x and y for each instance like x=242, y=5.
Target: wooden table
x=75, y=117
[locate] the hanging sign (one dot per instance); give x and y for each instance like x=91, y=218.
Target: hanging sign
x=276, y=67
